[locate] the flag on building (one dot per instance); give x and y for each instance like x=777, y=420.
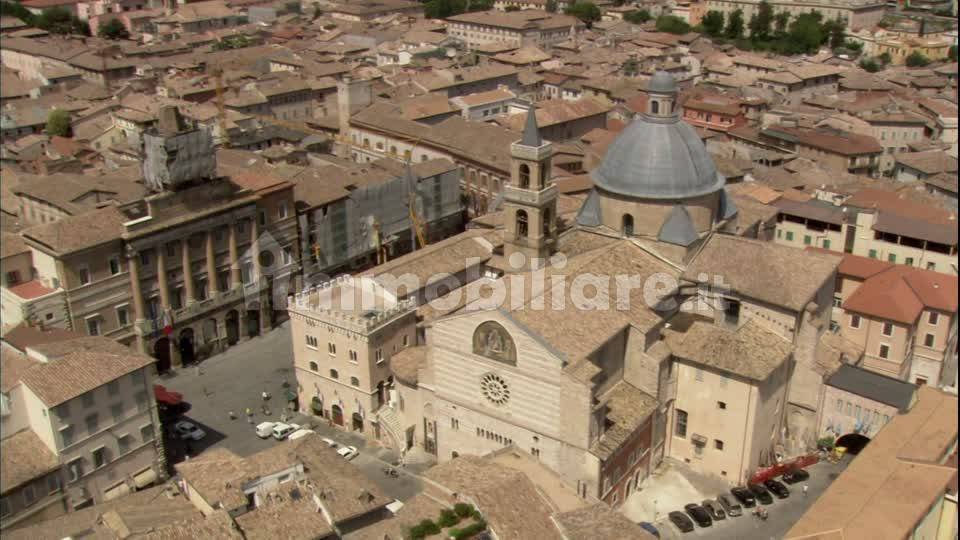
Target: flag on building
x=167, y=323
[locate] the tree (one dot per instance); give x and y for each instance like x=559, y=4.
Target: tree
x=855, y=46
x=761, y=21
x=441, y=9
x=15, y=9
x=805, y=34
x=952, y=53
x=316, y=11
x=293, y=6
x=639, y=16
x=870, y=65
x=735, y=25
x=834, y=30
x=551, y=6
x=631, y=68
x=512, y=7
x=917, y=59
x=113, y=29
x=587, y=12
x=781, y=21
x=58, y=123
x=885, y=58
x=672, y=24
x=57, y=20
x=713, y=23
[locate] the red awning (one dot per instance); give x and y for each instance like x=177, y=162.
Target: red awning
x=165, y=396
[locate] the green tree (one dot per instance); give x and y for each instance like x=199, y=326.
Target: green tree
x=761, y=21
x=587, y=12
x=885, y=58
x=917, y=59
x=57, y=20
x=551, y=6
x=672, y=24
x=113, y=29
x=870, y=65
x=441, y=9
x=856, y=46
x=952, y=53
x=805, y=34
x=293, y=6
x=512, y=7
x=781, y=21
x=713, y=23
x=15, y=9
x=734, y=28
x=58, y=123
x=835, y=32
x=638, y=16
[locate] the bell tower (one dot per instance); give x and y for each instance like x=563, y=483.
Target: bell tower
x=530, y=201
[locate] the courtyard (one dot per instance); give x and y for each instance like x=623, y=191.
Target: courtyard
x=235, y=380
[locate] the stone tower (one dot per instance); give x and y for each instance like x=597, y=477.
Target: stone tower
x=530, y=201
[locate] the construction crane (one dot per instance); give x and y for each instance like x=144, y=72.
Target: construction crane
x=419, y=228
x=221, y=109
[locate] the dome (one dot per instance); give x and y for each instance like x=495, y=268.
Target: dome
x=662, y=83
x=658, y=158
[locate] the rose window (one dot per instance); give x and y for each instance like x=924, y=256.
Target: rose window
x=495, y=389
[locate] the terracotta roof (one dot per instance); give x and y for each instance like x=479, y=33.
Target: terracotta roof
x=23, y=336
x=929, y=162
x=763, y=270
x=12, y=244
x=901, y=293
x=24, y=457
x=77, y=373
x=599, y=522
x=406, y=364
x=890, y=486
x=828, y=139
x=750, y=351
x=76, y=233
x=628, y=408
x=31, y=289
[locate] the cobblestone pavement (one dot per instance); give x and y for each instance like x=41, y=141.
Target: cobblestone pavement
x=234, y=380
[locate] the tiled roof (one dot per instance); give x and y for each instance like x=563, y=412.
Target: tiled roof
x=901, y=293
x=76, y=233
x=406, y=364
x=750, y=351
x=22, y=336
x=599, y=522
x=874, y=386
x=23, y=457
x=628, y=408
x=77, y=373
x=31, y=289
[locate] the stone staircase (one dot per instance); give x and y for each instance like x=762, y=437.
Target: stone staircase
x=390, y=422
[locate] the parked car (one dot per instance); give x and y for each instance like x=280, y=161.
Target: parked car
x=188, y=430
x=763, y=496
x=650, y=529
x=699, y=514
x=745, y=496
x=329, y=442
x=714, y=509
x=777, y=488
x=300, y=433
x=281, y=431
x=348, y=452
x=265, y=429
x=730, y=505
x=794, y=476
x=681, y=521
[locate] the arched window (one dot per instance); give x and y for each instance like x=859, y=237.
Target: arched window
x=314, y=366
x=354, y=381
x=473, y=178
x=524, y=176
x=522, y=225
x=655, y=107
x=334, y=374
x=627, y=225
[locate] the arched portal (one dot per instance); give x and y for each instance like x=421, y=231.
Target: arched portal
x=853, y=442
x=336, y=414
x=161, y=351
x=186, y=346
x=357, y=422
x=233, y=327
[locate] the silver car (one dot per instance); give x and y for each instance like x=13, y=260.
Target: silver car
x=730, y=505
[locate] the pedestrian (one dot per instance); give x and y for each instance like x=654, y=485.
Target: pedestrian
x=232, y=416
x=805, y=488
x=265, y=395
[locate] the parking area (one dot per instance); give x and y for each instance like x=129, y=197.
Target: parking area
x=677, y=485
x=235, y=380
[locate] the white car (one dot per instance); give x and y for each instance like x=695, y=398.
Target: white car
x=329, y=442
x=281, y=431
x=188, y=430
x=348, y=452
x=265, y=429
x=300, y=433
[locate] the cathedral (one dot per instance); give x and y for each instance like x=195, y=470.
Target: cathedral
x=636, y=327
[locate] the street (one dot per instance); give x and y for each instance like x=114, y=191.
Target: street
x=234, y=380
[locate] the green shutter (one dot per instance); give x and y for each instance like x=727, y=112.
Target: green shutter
x=807, y=239
x=826, y=244
x=872, y=254
x=789, y=236
x=892, y=258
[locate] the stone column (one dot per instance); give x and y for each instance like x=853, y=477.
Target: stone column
x=235, y=276
x=162, y=279
x=255, y=248
x=187, y=271
x=211, y=267
x=133, y=262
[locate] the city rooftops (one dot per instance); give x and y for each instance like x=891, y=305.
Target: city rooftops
x=24, y=457
x=69, y=376
x=360, y=304
x=528, y=19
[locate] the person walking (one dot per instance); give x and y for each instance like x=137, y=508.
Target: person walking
x=805, y=488
x=232, y=416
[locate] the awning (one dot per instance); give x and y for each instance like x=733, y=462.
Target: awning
x=119, y=490
x=165, y=396
x=145, y=478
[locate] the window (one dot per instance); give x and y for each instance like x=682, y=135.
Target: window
x=87, y=399
x=311, y=342
x=53, y=482
x=123, y=316
x=886, y=418
x=93, y=423
x=933, y=318
x=75, y=469
x=99, y=457
x=66, y=435
x=141, y=398
x=921, y=381
x=681, y=427
x=731, y=310
x=929, y=340
x=282, y=211
x=352, y=354
x=839, y=405
x=789, y=236
x=113, y=388
x=84, y=275
x=314, y=366
x=114, y=265
x=145, y=258
x=93, y=327
x=454, y=423
x=872, y=254
x=931, y=266
x=826, y=244
x=892, y=257
x=807, y=239
x=405, y=340
x=849, y=408
x=908, y=261
x=887, y=329
x=354, y=381
x=334, y=374
x=171, y=249
x=123, y=443
x=721, y=405
x=884, y=351
x=28, y=495
x=136, y=377
x=522, y=223
x=698, y=375
x=718, y=444
x=779, y=233
x=857, y=412
x=379, y=355
x=627, y=225
x=332, y=349
x=854, y=321
x=116, y=410
x=5, y=507
x=146, y=432
x=262, y=218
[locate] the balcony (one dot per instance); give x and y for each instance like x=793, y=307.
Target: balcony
x=535, y=198
x=192, y=311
